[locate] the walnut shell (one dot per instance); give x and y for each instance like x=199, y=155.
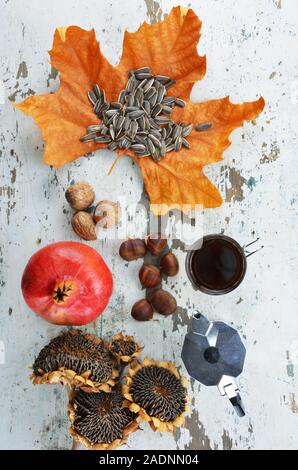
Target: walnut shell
x=80, y=196
x=84, y=226
x=107, y=214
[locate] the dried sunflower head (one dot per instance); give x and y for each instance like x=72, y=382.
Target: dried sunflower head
x=74, y=358
x=124, y=348
x=99, y=421
x=158, y=393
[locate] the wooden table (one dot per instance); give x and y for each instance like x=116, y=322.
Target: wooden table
x=251, y=48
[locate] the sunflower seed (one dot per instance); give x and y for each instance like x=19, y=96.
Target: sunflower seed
x=141, y=84
x=169, y=140
x=138, y=147
x=169, y=83
x=164, y=132
x=156, y=133
x=104, y=130
x=88, y=137
x=126, y=123
x=122, y=96
x=97, y=91
x=178, y=144
x=156, y=155
x=187, y=130
x=97, y=107
x=139, y=94
x=131, y=100
x=92, y=97
x=156, y=110
x=149, y=93
x=153, y=124
x=103, y=139
x=143, y=75
x=169, y=130
x=147, y=106
x=163, y=148
x=104, y=107
x=131, y=84
x=142, y=70
x=170, y=148
x=142, y=133
x=153, y=99
x=185, y=143
x=94, y=128
x=140, y=140
x=112, y=146
x=203, y=127
x=112, y=131
x=177, y=132
x=148, y=85
x=162, y=120
x=129, y=109
x=136, y=114
x=133, y=129
x=111, y=112
x=155, y=140
x=179, y=102
x=161, y=94
x=142, y=123
x=167, y=109
x=150, y=146
x=115, y=105
x=162, y=78
x=120, y=122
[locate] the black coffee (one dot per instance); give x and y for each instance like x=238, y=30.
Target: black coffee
x=219, y=265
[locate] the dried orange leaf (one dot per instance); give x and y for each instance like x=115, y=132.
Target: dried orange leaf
x=168, y=48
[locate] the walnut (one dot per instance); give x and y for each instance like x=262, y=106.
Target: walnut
x=107, y=214
x=84, y=226
x=80, y=196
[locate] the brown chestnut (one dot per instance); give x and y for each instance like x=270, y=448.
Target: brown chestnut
x=149, y=276
x=169, y=264
x=156, y=244
x=163, y=302
x=132, y=249
x=142, y=310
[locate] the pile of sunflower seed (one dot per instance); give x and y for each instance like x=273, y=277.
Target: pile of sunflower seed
x=140, y=119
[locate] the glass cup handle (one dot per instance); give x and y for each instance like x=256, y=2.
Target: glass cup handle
x=249, y=253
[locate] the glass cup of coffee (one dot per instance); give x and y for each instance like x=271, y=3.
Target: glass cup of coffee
x=218, y=266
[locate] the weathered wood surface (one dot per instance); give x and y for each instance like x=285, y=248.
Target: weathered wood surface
x=251, y=48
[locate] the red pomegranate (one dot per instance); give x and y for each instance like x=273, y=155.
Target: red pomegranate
x=67, y=283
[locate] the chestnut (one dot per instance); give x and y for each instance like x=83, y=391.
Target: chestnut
x=156, y=244
x=163, y=302
x=169, y=264
x=142, y=310
x=132, y=249
x=149, y=276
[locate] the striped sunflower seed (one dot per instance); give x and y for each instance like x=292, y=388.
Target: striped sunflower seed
x=179, y=102
x=122, y=96
x=169, y=83
x=163, y=148
x=187, y=130
x=136, y=114
x=88, y=137
x=94, y=128
x=146, y=106
x=103, y=139
x=178, y=144
x=157, y=142
x=170, y=148
x=156, y=110
x=112, y=146
x=203, y=127
x=166, y=109
x=138, y=147
x=97, y=91
x=160, y=94
x=92, y=97
x=148, y=85
x=141, y=70
x=112, y=131
x=126, y=123
x=162, y=120
x=162, y=78
x=185, y=143
x=133, y=129
x=143, y=75
x=149, y=93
